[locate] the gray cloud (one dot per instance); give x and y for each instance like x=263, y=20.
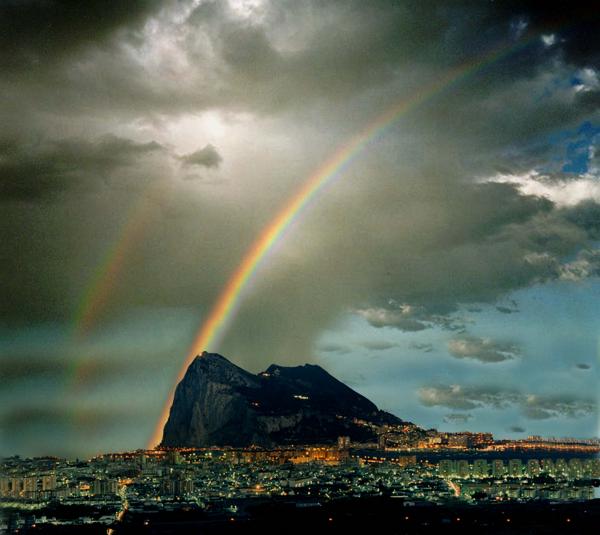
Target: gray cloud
x=17, y=419
x=516, y=429
x=80, y=370
x=411, y=318
x=467, y=397
x=334, y=348
x=482, y=349
x=586, y=215
x=378, y=345
x=204, y=157
x=37, y=32
x=582, y=366
x=533, y=407
x=432, y=255
x=425, y=347
x=544, y=407
x=457, y=418
x=28, y=171
x=400, y=319
x=586, y=265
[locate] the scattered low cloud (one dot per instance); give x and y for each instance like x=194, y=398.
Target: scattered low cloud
x=467, y=397
x=334, y=348
x=401, y=319
x=482, y=349
x=582, y=366
x=457, y=418
x=422, y=346
x=516, y=429
x=411, y=318
x=532, y=406
x=587, y=264
x=510, y=308
x=208, y=157
x=378, y=345
x=560, y=189
x=537, y=407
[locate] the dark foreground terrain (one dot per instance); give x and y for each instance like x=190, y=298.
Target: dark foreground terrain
x=360, y=516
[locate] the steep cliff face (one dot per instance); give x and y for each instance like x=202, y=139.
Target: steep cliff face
x=218, y=403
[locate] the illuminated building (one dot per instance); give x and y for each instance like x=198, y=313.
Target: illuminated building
x=481, y=468
x=547, y=466
x=575, y=468
x=104, y=487
x=515, y=468
x=446, y=467
x=498, y=468
x=343, y=442
x=463, y=468
x=533, y=467
x=458, y=440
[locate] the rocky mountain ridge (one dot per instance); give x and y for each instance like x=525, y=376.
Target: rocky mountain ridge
x=220, y=404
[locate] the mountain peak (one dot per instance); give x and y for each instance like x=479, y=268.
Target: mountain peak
x=219, y=403
x=211, y=356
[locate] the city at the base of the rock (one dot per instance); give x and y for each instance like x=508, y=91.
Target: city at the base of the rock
x=210, y=487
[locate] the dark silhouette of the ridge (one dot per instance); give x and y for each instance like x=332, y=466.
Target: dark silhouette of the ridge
x=219, y=404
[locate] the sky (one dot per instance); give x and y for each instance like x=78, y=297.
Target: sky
x=450, y=271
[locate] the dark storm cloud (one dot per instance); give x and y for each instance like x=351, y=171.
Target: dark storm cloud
x=532, y=406
x=83, y=371
x=36, y=32
x=222, y=60
x=15, y=420
x=29, y=171
x=230, y=63
x=482, y=349
x=204, y=157
x=439, y=254
x=586, y=215
x=25, y=367
x=354, y=45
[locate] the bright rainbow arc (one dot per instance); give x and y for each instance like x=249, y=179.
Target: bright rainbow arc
x=223, y=309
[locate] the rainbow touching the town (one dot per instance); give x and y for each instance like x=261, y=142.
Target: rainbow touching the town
x=224, y=308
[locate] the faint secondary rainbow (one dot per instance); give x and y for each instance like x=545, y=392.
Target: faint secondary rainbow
x=107, y=273
x=104, y=282
x=226, y=303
